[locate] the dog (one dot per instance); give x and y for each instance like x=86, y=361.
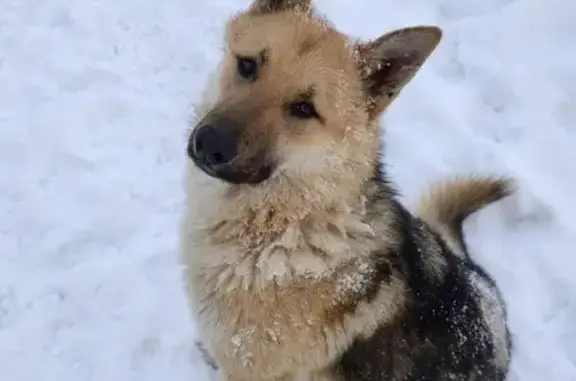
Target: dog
x=300, y=263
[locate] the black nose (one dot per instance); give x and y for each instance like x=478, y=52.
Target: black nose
x=213, y=146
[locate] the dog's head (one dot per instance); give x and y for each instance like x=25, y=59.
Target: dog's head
x=298, y=100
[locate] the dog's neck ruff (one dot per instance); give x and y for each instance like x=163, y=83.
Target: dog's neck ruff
x=288, y=231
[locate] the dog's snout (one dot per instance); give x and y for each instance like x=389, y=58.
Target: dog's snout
x=218, y=147
x=215, y=146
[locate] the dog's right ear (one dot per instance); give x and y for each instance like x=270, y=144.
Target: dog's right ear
x=269, y=6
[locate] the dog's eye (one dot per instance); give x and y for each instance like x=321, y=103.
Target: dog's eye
x=303, y=110
x=247, y=68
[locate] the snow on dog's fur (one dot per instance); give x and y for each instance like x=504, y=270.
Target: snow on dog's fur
x=300, y=262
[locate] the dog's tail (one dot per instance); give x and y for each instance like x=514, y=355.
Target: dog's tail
x=448, y=203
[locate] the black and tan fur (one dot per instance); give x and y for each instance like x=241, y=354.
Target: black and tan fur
x=301, y=265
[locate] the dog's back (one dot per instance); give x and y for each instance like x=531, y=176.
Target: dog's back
x=454, y=324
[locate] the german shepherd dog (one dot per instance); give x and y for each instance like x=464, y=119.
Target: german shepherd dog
x=300, y=262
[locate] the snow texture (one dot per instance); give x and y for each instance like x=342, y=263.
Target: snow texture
x=94, y=102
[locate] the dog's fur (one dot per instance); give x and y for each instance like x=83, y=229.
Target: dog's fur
x=301, y=264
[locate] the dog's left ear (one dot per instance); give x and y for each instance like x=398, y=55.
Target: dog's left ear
x=268, y=6
x=388, y=63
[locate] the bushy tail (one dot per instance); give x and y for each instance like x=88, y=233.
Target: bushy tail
x=449, y=202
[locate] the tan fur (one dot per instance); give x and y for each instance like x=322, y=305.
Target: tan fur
x=272, y=269
x=447, y=203
x=280, y=300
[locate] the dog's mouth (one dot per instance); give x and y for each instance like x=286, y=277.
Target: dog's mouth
x=232, y=172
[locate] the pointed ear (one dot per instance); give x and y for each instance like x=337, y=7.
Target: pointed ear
x=388, y=63
x=268, y=6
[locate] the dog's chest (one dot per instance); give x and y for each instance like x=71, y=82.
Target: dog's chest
x=270, y=301
x=254, y=322
x=277, y=314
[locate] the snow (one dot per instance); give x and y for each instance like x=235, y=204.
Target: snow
x=94, y=101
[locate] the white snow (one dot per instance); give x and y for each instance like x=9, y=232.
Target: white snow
x=94, y=101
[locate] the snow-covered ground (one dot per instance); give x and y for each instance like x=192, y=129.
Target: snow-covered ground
x=94, y=101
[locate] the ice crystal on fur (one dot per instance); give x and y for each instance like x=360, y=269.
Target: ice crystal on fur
x=356, y=280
